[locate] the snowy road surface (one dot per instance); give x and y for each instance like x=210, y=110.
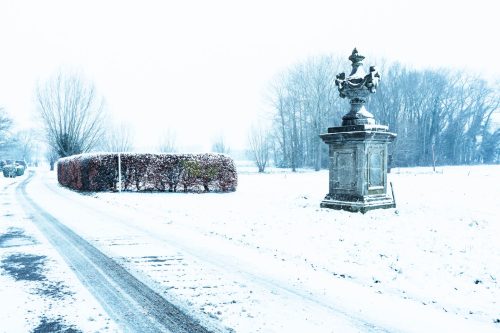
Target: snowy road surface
x=268, y=259
x=38, y=291
x=133, y=305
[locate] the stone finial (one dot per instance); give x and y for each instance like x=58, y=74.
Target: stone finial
x=355, y=57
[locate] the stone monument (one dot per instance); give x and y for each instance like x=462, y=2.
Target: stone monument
x=358, y=148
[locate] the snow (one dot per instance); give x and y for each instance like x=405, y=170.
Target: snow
x=266, y=258
x=51, y=293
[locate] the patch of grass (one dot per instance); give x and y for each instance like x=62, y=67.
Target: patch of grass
x=24, y=267
x=55, y=290
x=54, y=326
x=15, y=234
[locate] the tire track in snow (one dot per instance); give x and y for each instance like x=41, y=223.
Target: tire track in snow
x=133, y=305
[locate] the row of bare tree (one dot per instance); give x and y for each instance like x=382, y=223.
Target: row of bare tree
x=17, y=145
x=440, y=116
x=305, y=102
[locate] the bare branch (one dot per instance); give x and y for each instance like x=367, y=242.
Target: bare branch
x=72, y=113
x=167, y=142
x=259, y=141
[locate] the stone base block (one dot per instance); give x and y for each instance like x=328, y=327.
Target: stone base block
x=358, y=206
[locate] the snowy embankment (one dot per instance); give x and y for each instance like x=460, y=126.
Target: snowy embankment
x=267, y=259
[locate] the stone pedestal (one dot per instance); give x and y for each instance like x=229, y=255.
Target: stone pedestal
x=358, y=167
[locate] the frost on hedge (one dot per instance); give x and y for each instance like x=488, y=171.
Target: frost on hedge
x=148, y=172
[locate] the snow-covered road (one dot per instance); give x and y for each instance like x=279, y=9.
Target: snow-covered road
x=196, y=251
x=38, y=291
x=132, y=304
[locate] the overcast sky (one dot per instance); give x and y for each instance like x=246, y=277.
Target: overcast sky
x=201, y=68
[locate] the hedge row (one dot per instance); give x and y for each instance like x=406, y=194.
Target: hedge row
x=148, y=172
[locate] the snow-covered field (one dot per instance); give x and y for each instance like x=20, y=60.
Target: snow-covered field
x=266, y=258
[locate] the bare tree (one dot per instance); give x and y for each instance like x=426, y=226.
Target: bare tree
x=277, y=97
x=118, y=138
x=260, y=146
x=167, y=142
x=26, y=145
x=72, y=113
x=219, y=146
x=52, y=156
x=5, y=126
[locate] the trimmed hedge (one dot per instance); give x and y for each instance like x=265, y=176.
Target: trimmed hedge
x=148, y=172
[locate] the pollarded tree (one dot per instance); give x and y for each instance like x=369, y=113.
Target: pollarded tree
x=259, y=141
x=72, y=113
x=51, y=156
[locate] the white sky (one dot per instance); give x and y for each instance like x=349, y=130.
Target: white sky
x=201, y=68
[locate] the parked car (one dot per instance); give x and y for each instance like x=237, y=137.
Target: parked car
x=20, y=170
x=9, y=170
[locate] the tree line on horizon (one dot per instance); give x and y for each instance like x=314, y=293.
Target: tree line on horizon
x=441, y=117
